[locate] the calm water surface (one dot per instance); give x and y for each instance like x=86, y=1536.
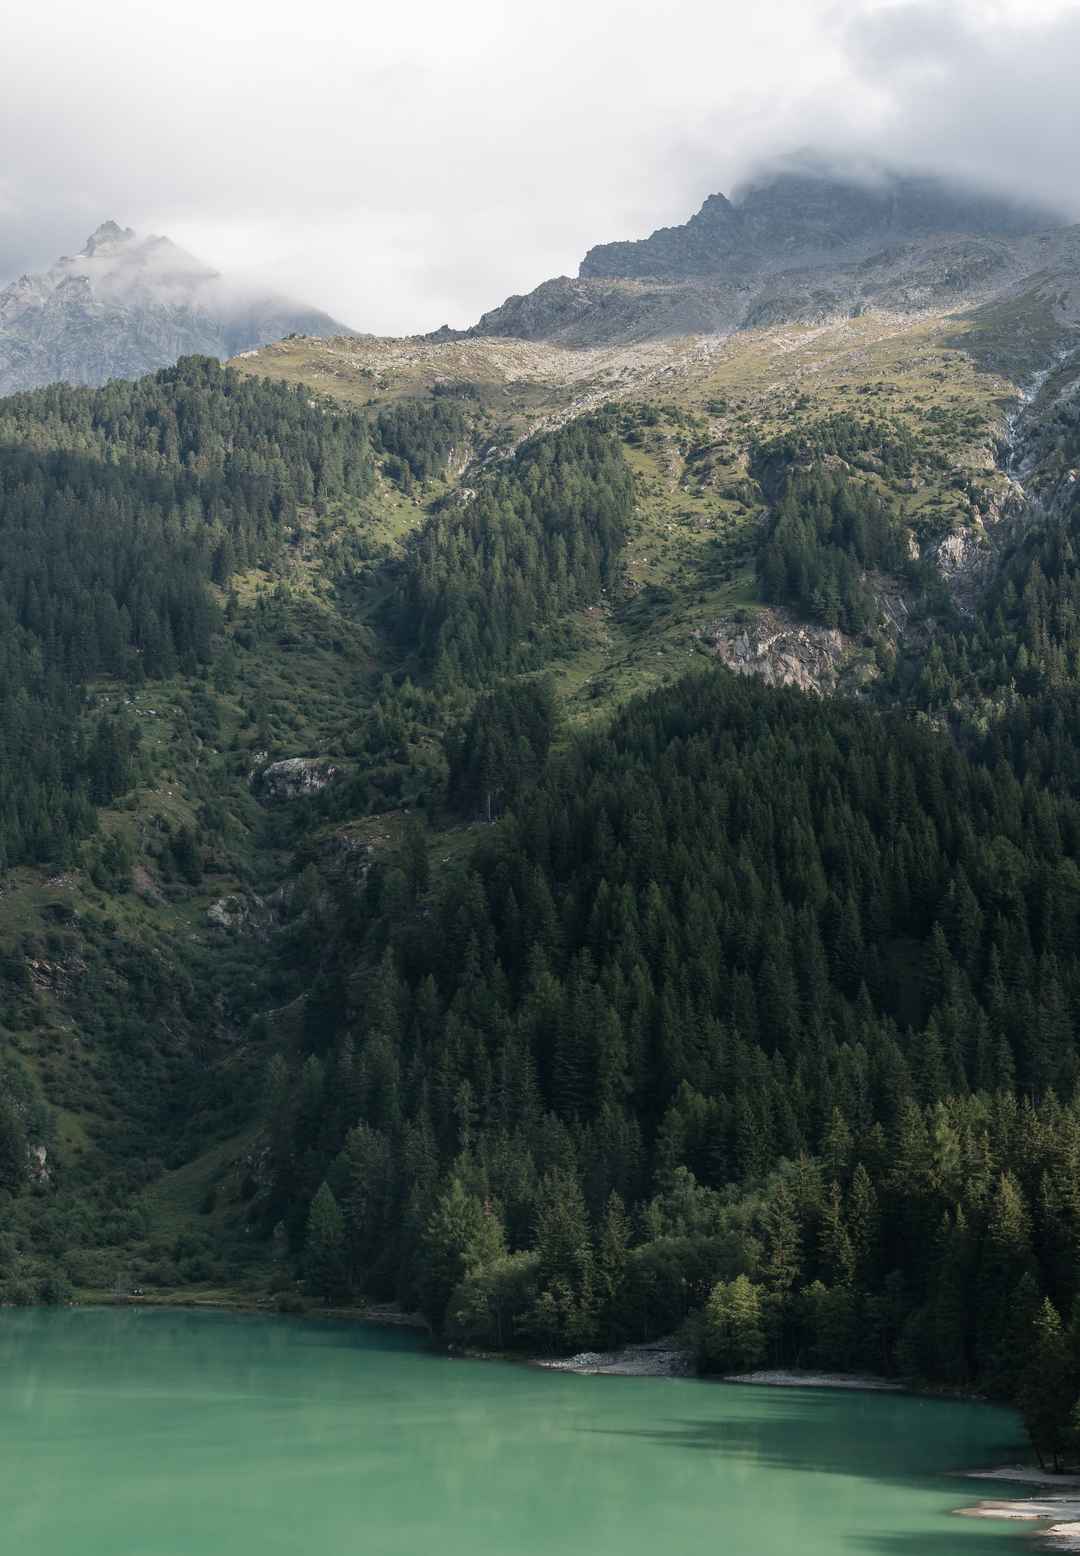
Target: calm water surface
x=141, y=1433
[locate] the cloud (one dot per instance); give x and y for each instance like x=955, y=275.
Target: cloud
x=987, y=92
x=405, y=166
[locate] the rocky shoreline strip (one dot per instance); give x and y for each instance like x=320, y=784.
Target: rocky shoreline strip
x=1058, y=1514
x=657, y=1359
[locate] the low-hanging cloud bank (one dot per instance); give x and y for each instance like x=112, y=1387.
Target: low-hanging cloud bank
x=405, y=168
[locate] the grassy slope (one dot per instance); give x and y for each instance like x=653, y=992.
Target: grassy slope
x=690, y=555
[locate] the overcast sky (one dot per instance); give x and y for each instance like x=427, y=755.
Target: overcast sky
x=413, y=164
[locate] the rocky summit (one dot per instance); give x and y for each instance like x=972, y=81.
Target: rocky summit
x=125, y=305
x=807, y=216
x=800, y=243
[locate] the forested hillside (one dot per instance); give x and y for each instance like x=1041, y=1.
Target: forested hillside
x=415, y=943
x=529, y=547
x=747, y=987
x=118, y=508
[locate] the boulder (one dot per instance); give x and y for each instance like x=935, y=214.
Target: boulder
x=240, y=913
x=293, y=778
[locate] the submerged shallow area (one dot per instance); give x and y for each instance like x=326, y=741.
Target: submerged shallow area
x=140, y=1432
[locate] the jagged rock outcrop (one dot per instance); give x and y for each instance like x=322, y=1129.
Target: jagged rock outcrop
x=293, y=777
x=584, y=311
x=126, y=305
x=780, y=650
x=240, y=913
x=964, y=558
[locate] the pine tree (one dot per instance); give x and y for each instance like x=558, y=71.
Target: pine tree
x=565, y=1311
x=836, y=1252
x=462, y=1234
x=864, y=1229
x=324, y=1248
x=1005, y=1264
x=612, y=1250
x=1048, y=1389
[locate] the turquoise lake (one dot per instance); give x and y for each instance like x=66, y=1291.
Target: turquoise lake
x=135, y=1432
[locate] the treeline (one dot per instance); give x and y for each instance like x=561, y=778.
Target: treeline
x=541, y=535
x=740, y=941
x=118, y=506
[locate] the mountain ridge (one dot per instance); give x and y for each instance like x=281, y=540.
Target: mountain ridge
x=786, y=214
x=798, y=246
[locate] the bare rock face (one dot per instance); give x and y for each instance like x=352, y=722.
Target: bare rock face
x=37, y=1157
x=589, y=311
x=781, y=651
x=240, y=913
x=293, y=778
x=126, y=305
x=655, y=1359
x=964, y=559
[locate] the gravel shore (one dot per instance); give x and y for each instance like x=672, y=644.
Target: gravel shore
x=1059, y=1514
x=668, y=1359
x=658, y=1359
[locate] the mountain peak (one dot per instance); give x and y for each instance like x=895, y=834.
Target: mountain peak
x=126, y=305
x=108, y=235
x=797, y=211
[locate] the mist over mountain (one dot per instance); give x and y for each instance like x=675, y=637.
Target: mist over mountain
x=798, y=215
x=125, y=305
x=802, y=241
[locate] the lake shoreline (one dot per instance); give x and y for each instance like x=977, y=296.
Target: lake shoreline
x=1059, y=1515
x=666, y=1358
x=652, y=1359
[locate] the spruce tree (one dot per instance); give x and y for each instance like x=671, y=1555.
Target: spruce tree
x=324, y=1248
x=1048, y=1388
